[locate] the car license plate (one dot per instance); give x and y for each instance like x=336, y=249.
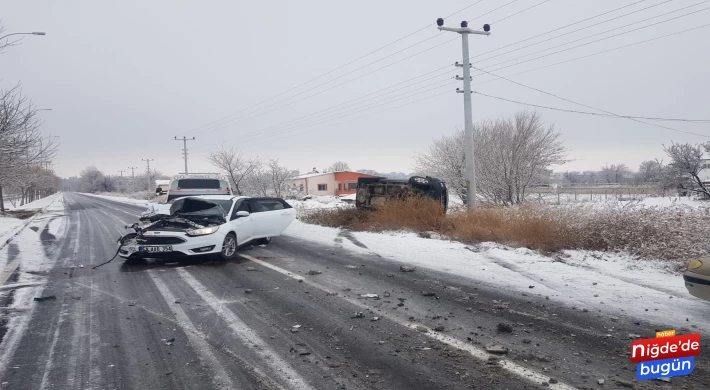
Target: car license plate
x=155, y=249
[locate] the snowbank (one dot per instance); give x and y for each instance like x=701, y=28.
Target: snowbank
x=318, y=203
x=602, y=283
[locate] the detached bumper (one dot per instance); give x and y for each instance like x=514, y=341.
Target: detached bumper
x=193, y=246
x=698, y=285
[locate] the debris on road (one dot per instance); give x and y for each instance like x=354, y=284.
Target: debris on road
x=428, y=293
x=375, y=318
x=439, y=328
x=170, y=342
x=406, y=268
x=531, y=286
x=248, y=291
x=422, y=329
x=600, y=381
x=47, y=298
x=497, y=349
x=505, y=328
x=375, y=296
x=313, y=272
x=358, y=314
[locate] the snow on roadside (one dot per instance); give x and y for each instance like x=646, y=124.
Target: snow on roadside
x=602, y=283
x=36, y=259
x=9, y=225
x=123, y=199
x=318, y=203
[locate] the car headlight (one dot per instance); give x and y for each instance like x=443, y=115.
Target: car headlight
x=203, y=231
x=695, y=264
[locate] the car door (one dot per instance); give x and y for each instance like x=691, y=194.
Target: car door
x=243, y=226
x=272, y=217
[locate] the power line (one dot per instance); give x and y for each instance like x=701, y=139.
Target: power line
x=362, y=116
x=574, y=59
x=254, y=115
x=584, y=105
x=563, y=27
x=341, y=115
x=696, y=121
x=493, y=10
x=336, y=69
x=584, y=44
x=214, y=126
x=600, y=52
x=510, y=16
x=603, y=32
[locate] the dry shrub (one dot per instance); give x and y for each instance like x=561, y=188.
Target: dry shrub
x=675, y=234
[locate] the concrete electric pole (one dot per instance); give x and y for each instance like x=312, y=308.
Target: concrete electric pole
x=121, y=172
x=468, y=119
x=133, y=171
x=184, y=151
x=148, y=160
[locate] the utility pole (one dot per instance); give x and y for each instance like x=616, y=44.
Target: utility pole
x=121, y=172
x=184, y=151
x=148, y=160
x=133, y=171
x=468, y=118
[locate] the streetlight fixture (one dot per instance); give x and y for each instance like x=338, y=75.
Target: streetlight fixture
x=26, y=33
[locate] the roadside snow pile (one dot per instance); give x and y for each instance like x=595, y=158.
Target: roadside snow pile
x=597, y=283
x=309, y=204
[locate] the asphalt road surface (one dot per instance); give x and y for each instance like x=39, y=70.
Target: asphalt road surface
x=265, y=322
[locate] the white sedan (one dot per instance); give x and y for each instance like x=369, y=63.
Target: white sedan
x=199, y=225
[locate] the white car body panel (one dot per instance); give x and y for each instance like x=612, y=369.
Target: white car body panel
x=260, y=224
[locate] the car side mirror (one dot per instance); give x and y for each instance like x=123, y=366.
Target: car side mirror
x=241, y=214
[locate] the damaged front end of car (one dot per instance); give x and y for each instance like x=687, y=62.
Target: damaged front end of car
x=158, y=235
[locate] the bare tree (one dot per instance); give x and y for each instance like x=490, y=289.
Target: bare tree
x=686, y=163
x=339, y=166
x=279, y=174
x=445, y=159
x=234, y=164
x=614, y=173
x=650, y=171
x=511, y=155
x=7, y=42
x=21, y=143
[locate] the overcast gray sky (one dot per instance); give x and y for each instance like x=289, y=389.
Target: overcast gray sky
x=124, y=78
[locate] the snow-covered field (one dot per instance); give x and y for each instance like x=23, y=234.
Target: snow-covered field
x=604, y=284
x=320, y=203
x=123, y=199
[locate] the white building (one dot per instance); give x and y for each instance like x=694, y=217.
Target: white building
x=330, y=183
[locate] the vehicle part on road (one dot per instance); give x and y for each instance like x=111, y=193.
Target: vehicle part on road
x=373, y=192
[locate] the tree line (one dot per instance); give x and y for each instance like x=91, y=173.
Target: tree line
x=514, y=154
x=25, y=154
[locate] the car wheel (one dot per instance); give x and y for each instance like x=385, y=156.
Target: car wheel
x=264, y=241
x=229, y=247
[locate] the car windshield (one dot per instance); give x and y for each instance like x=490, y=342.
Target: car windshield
x=197, y=206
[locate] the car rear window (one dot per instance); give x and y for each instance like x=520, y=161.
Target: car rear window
x=211, y=184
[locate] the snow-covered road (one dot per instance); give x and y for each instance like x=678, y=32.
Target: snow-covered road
x=300, y=313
